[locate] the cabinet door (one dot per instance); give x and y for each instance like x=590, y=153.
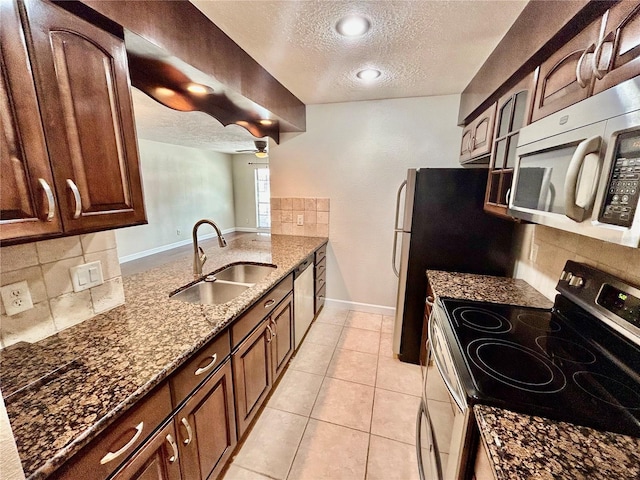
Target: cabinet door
x=558, y=82
x=282, y=342
x=617, y=56
x=27, y=204
x=156, y=460
x=466, y=143
x=82, y=82
x=252, y=376
x=483, y=133
x=207, y=428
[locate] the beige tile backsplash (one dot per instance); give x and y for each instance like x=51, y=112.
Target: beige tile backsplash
x=45, y=266
x=285, y=212
x=555, y=247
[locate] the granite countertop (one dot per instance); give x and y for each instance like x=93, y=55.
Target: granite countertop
x=486, y=288
x=530, y=447
x=63, y=391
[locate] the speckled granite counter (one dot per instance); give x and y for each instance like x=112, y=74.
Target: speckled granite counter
x=486, y=288
x=530, y=447
x=107, y=363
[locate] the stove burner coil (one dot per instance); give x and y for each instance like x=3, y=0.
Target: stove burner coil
x=516, y=366
x=556, y=347
x=607, y=390
x=482, y=320
x=539, y=321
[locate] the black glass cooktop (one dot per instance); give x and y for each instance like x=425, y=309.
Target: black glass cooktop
x=565, y=365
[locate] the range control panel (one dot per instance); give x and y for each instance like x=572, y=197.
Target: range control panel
x=623, y=189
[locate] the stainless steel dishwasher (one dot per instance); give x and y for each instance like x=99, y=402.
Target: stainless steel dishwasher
x=303, y=298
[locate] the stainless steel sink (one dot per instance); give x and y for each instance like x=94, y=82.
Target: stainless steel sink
x=244, y=273
x=210, y=293
x=225, y=285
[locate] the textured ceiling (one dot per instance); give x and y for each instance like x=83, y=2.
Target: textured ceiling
x=422, y=47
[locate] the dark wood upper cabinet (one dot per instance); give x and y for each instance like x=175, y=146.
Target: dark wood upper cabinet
x=513, y=113
x=69, y=153
x=82, y=82
x=617, y=55
x=28, y=205
x=477, y=137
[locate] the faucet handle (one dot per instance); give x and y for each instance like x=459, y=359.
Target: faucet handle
x=202, y=256
x=221, y=241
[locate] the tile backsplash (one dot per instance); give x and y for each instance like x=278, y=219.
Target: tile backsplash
x=544, y=252
x=285, y=212
x=45, y=267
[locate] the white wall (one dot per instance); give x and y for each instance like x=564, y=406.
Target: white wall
x=181, y=186
x=357, y=154
x=244, y=191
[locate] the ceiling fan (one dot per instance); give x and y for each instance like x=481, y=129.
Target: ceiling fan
x=260, y=150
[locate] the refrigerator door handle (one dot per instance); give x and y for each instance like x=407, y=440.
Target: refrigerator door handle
x=397, y=229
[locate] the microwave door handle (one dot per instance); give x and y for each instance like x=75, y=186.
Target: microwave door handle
x=396, y=230
x=590, y=146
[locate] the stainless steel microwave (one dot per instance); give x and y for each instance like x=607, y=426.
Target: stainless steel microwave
x=578, y=169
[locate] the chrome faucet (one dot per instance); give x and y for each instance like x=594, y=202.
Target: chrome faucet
x=199, y=256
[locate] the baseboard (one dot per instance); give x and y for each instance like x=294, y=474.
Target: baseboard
x=361, y=307
x=164, y=248
x=251, y=230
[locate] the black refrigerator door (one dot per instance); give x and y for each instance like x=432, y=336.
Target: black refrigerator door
x=450, y=231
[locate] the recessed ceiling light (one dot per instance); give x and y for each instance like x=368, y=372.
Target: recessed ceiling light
x=266, y=122
x=368, y=74
x=164, y=92
x=352, y=26
x=198, y=89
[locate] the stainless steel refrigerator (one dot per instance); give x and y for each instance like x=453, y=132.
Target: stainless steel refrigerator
x=442, y=227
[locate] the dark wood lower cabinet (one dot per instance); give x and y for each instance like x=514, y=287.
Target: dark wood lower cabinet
x=158, y=459
x=283, y=341
x=206, y=427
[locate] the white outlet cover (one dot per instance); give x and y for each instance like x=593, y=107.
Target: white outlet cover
x=300, y=220
x=86, y=276
x=16, y=297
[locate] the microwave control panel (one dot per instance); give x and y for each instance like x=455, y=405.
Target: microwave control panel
x=623, y=189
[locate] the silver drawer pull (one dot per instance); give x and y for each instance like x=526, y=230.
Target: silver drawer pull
x=76, y=197
x=113, y=455
x=174, y=447
x=51, y=204
x=269, y=303
x=184, y=422
x=209, y=366
x=271, y=334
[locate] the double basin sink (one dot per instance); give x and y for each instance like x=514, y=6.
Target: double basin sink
x=225, y=285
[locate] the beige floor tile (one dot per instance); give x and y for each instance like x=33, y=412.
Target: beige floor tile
x=387, y=324
x=312, y=358
x=344, y=403
x=394, y=416
x=442, y=418
x=324, y=334
x=399, y=376
x=296, y=392
x=391, y=460
x=330, y=452
x=272, y=443
x=353, y=366
x=364, y=320
x=359, y=340
x=238, y=473
x=436, y=388
x=333, y=315
x=386, y=345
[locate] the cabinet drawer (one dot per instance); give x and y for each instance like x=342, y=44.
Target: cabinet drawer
x=321, y=253
x=199, y=367
x=321, y=281
x=321, y=266
x=263, y=307
x=320, y=296
x=102, y=456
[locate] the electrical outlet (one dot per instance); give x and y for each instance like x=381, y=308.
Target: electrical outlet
x=16, y=297
x=178, y=231
x=300, y=220
x=86, y=276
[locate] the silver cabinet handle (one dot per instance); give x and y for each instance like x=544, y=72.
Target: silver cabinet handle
x=174, y=447
x=590, y=146
x=597, y=54
x=429, y=300
x=507, y=196
x=397, y=229
x=269, y=303
x=275, y=328
x=184, y=422
x=51, y=204
x=581, y=81
x=271, y=334
x=76, y=197
x=209, y=366
x=113, y=455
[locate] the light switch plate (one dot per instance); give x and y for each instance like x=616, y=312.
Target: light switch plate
x=16, y=297
x=86, y=276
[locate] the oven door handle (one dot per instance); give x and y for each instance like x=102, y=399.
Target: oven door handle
x=433, y=445
x=438, y=362
x=586, y=148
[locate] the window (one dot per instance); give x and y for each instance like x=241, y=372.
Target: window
x=263, y=198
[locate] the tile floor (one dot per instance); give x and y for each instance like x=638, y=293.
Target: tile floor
x=344, y=409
